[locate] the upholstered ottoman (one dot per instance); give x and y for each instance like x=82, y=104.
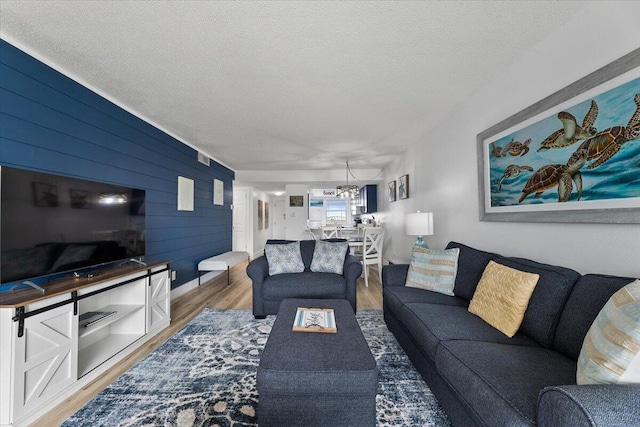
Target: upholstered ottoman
x=317, y=379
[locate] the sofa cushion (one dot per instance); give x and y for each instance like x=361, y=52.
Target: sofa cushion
x=284, y=258
x=433, y=270
x=548, y=299
x=587, y=298
x=430, y=324
x=502, y=296
x=471, y=265
x=500, y=383
x=328, y=257
x=611, y=350
x=396, y=296
x=304, y=285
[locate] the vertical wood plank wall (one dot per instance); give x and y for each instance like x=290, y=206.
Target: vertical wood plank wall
x=50, y=123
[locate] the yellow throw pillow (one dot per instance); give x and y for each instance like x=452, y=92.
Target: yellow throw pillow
x=502, y=297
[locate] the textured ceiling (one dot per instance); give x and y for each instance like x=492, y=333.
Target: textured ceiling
x=285, y=85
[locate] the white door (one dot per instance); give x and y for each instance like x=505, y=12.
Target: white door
x=279, y=219
x=239, y=242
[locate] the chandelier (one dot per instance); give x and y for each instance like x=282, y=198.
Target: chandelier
x=347, y=190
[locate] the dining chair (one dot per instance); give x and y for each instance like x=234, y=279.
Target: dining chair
x=329, y=232
x=372, y=251
x=313, y=228
x=311, y=233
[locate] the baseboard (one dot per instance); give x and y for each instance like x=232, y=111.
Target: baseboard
x=192, y=284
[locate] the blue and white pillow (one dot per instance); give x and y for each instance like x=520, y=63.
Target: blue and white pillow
x=284, y=258
x=328, y=257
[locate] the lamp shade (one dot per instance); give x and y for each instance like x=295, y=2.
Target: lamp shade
x=419, y=224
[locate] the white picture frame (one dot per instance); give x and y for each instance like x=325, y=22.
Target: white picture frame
x=218, y=192
x=185, y=193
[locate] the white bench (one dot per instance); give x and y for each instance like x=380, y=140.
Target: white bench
x=221, y=262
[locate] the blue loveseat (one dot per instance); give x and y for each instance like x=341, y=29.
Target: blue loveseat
x=483, y=378
x=269, y=291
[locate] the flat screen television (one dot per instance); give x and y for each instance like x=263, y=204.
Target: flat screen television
x=51, y=225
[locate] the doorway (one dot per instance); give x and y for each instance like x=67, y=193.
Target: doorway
x=279, y=218
x=240, y=238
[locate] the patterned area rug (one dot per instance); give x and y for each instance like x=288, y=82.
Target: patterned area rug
x=205, y=376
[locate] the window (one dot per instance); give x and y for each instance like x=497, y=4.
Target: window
x=336, y=210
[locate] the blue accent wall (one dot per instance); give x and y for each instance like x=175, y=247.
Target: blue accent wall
x=50, y=123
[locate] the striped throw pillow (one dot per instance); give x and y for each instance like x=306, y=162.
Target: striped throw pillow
x=611, y=350
x=433, y=270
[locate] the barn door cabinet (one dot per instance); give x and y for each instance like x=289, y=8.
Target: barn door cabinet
x=48, y=348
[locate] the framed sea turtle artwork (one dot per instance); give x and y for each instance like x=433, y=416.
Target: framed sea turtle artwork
x=572, y=157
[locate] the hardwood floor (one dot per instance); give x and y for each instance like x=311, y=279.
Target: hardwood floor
x=213, y=294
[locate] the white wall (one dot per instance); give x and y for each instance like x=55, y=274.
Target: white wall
x=442, y=163
x=260, y=237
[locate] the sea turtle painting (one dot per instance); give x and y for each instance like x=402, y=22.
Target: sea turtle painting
x=515, y=148
x=511, y=172
x=571, y=132
x=549, y=176
x=604, y=145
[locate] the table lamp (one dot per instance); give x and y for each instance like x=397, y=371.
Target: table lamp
x=419, y=224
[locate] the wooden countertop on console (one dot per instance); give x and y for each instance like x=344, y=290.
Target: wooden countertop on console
x=27, y=295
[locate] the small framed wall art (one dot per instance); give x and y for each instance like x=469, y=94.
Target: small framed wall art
x=218, y=192
x=392, y=191
x=296, y=201
x=185, y=194
x=403, y=187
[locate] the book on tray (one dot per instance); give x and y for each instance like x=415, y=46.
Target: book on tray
x=315, y=320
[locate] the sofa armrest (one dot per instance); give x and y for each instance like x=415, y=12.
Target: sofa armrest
x=258, y=271
x=394, y=275
x=352, y=270
x=589, y=405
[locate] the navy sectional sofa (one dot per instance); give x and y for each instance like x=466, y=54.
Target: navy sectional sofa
x=269, y=291
x=483, y=378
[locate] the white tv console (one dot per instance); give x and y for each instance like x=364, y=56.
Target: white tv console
x=45, y=355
